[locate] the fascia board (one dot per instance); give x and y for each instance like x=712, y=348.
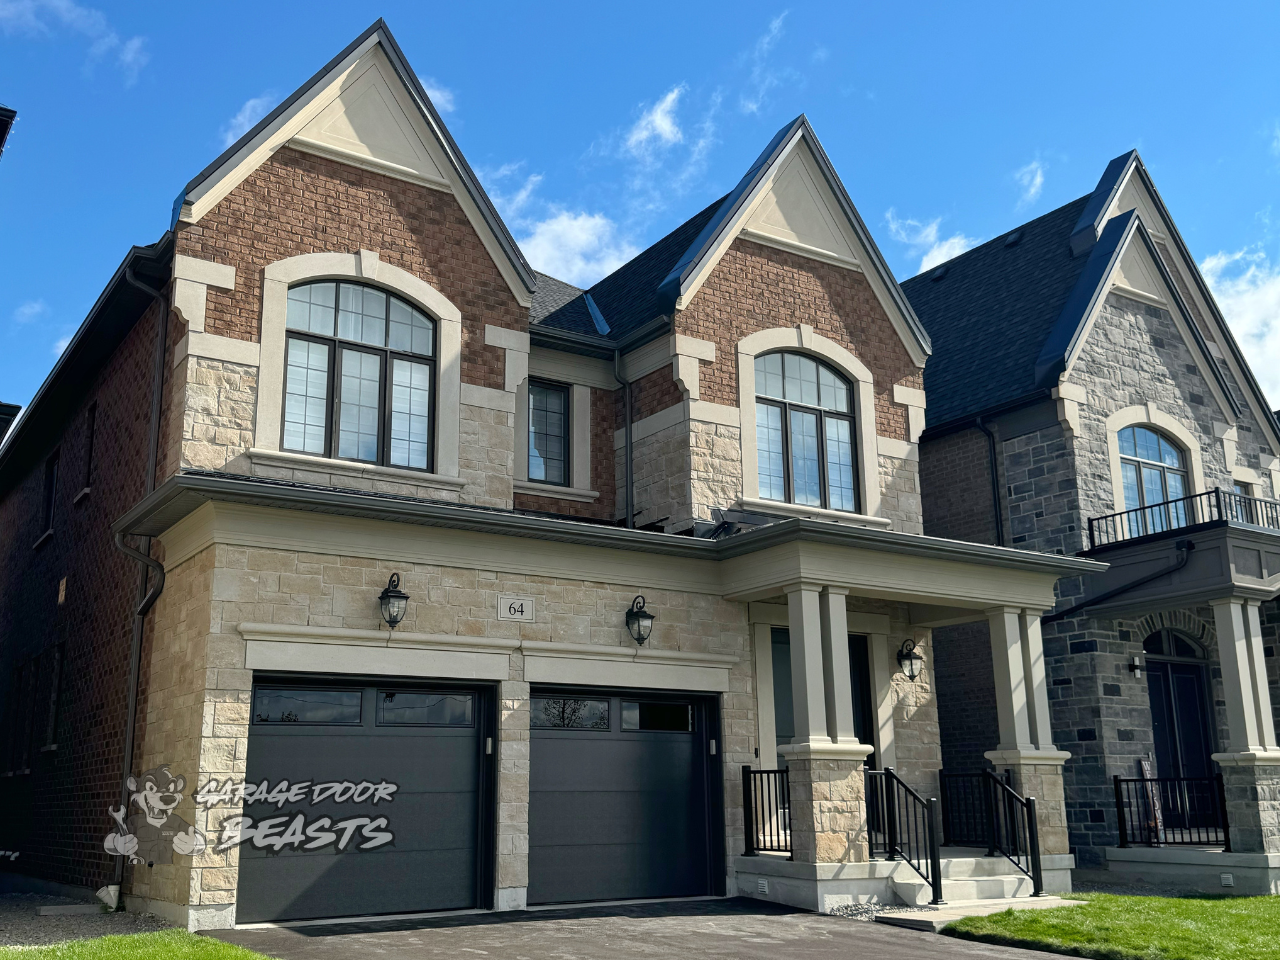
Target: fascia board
x=1088, y=228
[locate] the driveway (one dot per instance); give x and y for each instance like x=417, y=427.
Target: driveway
x=741, y=929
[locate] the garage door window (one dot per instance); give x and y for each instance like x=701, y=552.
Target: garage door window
x=569, y=713
x=672, y=717
x=286, y=705
x=397, y=708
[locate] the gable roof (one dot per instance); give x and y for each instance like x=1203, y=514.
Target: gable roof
x=275, y=130
x=990, y=311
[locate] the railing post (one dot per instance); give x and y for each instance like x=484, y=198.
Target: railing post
x=990, y=790
x=748, y=814
x=1033, y=842
x=1120, y=817
x=890, y=815
x=935, y=854
x=1222, y=814
x=1217, y=497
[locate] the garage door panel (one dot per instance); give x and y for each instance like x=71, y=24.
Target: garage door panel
x=434, y=761
x=649, y=766
x=599, y=817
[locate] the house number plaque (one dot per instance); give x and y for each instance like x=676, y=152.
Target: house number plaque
x=515, y=608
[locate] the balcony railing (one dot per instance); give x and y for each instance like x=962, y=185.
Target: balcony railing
x=766, y=808
x=1172, y=811
x=1208, y=507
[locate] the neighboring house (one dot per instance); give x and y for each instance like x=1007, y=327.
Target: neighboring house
x=7, y=116
x=1082, y=357
x=334, y=397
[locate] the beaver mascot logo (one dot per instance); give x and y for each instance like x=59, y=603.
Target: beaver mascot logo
x=154, y=833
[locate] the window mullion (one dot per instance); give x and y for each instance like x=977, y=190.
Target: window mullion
x=788, y=487
x=824, y=493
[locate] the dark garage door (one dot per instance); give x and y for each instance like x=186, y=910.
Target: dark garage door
x=347, y=844
x=623, y=796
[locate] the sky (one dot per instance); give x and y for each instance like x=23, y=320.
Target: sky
x=597, y=128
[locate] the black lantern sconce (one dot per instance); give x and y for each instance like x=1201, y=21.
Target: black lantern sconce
x=395, y=602
x=910, y=660
x=639, y=621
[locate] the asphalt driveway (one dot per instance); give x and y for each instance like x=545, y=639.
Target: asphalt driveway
x=739, y=928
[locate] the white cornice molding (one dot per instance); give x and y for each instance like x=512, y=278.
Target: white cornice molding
x=372, y=164
x=376, y=638
x=803, y=249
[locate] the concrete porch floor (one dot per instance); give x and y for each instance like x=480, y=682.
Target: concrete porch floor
x=736, y=928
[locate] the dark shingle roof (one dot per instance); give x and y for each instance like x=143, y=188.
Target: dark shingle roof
x=549, y=296
x=628, y=297
x=991, y=312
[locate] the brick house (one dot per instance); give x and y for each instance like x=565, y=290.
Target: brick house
x=1087, y=398
x=352, y=567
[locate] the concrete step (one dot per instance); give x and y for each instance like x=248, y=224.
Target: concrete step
x=933, y=919
x=915, y=891
x=957, y=868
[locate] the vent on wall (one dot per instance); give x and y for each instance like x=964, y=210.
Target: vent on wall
x=762, y=884
x=1228, y=880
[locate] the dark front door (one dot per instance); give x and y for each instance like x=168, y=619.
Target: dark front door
x=1180, y=718
x=371, y=799
x=623, y=795
x=860, y=681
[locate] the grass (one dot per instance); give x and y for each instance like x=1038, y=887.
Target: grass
x=165, y=945
x=1111, y=927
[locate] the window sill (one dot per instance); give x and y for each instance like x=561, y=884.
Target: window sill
x=777, y=507
x=556, y=493
x=44, y=538
x=81, y=495
x=371, y=470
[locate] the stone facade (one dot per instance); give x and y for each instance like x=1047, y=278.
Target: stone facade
x=829, y=823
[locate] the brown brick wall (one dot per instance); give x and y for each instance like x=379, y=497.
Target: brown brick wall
x=651, y=394
x=296, y=203
x=755, y=287
x=955, y=487
x=602, y=467
x=57, y=815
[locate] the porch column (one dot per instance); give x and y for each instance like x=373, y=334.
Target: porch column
x=882, y=690
x=766, y=718
x=1251, y=770
x=828, y=807
x=1026, y=747
x=835, y=663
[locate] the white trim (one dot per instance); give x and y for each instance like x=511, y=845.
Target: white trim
x=908, y=396
x=644, y=360
x=387, y=660
x=515, y=343
x=378, y=638
x=220, y=275
x=571, y=368
x=372, y=164
x=535, y=489
x=489, y=398
x=630, y=666
x=803, y=339
x=702, y=411
x=898, y=449
x=1133, y=293
x=580, y=442
x=304, y=461
x=1148, y=414
x=276, y=280
x=812, y=513
x=521, y=472
x=210, y=346
x=795, y=246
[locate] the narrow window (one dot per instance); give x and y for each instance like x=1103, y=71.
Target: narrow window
x=50, y=491
x=400, y=708
x=571, y=713
x=90, y=428
x=548, y=432
x=804, y=433
x=289, y=705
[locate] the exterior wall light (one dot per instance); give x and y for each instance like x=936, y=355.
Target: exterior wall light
x=395, y=602
x=639, y=621
x=909, y=660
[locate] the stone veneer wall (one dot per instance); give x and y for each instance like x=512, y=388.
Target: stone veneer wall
x=900, y=493
x=218, y=402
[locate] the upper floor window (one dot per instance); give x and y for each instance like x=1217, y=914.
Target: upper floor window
x=1152, y=468
x=359, y=376
x=549, y=432
x=804, y=433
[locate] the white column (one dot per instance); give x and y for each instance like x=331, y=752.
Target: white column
x=767, y=723
x=835, y=662
x=1033, y=670
x=882, y=667
x=1261, y=686
x=1010, y=676
x=808, y=692
x=1237, y=675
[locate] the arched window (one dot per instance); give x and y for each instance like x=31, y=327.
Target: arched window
x=359, y=376
x=1153, y=472
x=804, y=433
x=1173, y=645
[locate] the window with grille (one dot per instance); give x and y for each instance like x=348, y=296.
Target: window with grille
x=548, y=432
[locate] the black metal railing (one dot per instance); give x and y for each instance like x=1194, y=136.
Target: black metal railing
x=1207, y=507
x=966, y=809
x=1014, y=831
x=1172, y=811
x=766, y=809
x=902, y=825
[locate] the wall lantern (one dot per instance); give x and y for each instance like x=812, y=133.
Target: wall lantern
x=909, y=660
x=639, y=621
x=395, y=602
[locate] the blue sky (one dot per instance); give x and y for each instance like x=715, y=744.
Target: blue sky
x=599, y=127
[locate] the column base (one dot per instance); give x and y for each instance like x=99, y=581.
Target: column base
x=826, y=749
x=1016, y=755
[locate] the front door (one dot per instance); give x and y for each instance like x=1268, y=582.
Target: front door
x=1180, y=718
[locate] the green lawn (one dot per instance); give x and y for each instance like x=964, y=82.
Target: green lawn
x=165, y=945
x=1111, y=927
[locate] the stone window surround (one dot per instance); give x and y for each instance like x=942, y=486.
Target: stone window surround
x=579, y=488
x=1148, y=414
x=364, y=267
x=803, y=339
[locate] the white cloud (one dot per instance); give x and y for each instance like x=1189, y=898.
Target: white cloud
x=763, y=77
x=61, y=344
x=511, y=204
x=1247, y=287
x=439, y=94
x=253, y=110
x=1031, y=180
x=31, y=310
x=578, y=248
x=924, y=238
x=39, y=17
x=657, y=126
x=819, y=55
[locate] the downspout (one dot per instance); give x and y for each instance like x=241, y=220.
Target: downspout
x=626, y=444
x=1184, y=546
x=146, y=598
x=995, y=481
